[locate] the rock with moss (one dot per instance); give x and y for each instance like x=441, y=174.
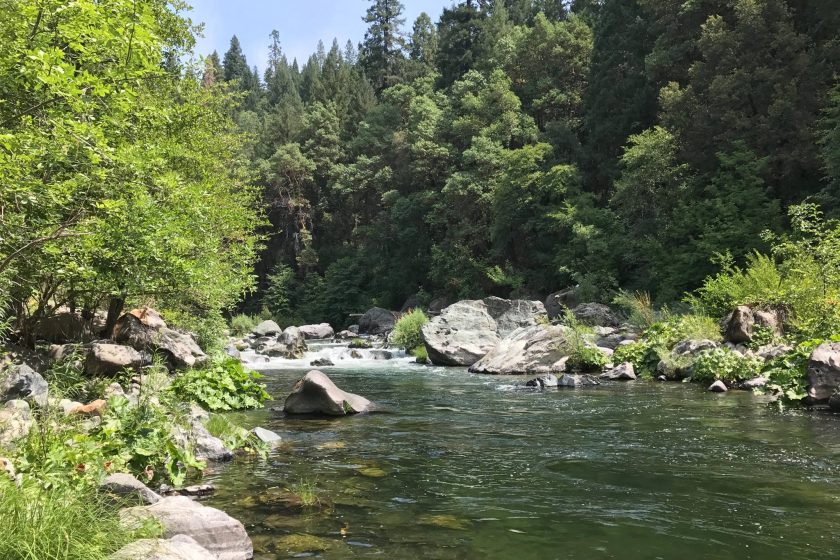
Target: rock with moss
x=315, y=393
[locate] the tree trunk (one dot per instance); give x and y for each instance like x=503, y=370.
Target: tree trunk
x=115, y=307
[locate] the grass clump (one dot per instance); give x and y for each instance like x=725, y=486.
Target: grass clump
x=307, y=492
x=407, y=330
x=360, y=344
x=235, y=436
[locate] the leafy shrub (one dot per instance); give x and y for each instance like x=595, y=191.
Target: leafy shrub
x=61, y=523
x=587, y=359
x=421, y=354
x=725, y=365
x=223, y=385
x=242, y=325
x=209, y=328
x=407, y=330
x=642, y=355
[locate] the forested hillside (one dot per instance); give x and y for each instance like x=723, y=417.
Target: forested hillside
x=518, y=147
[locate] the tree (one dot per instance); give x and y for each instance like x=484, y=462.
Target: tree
x=459, y=29
x=381, y=50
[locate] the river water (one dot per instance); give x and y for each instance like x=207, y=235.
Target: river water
x=459, y=466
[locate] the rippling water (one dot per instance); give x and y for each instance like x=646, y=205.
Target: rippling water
x=458, y=466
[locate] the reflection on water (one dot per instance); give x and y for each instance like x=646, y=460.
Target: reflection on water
x=459, y=466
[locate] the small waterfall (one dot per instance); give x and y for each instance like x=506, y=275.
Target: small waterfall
x=338, y=353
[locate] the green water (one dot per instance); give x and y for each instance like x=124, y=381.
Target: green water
x=459, y=466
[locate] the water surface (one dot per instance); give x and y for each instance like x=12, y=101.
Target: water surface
x=458, y=466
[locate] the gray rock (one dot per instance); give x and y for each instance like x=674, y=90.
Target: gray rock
x=267, y=328
x=557, y=303
x=345, y=335
x=126, y=486
x=179, y=547
x=321, y=362
x=693, y=347
x=596, y=315
x=233, y=352
x=377, y=321
x=317, y=332
x=754, y=383
x=205, y=446
x=315, y=393
x=546, y=381
x=569, y=380
x=622, y=372
x=217, y=532
x=15, y=422
x=438, y=304
x=511, y=315
x=378, y=354
x=824, y=372
x=289, y=344
x=739, y=324
x=23, y=382
x=834, y=402
x=180, y=349
x=59, y=328
x=266, y=436
x=461, y=335
x=527, y=350
x=107, y=360
x=772, y=351
x=718, y=387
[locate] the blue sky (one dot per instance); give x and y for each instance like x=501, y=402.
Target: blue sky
x=301, y=24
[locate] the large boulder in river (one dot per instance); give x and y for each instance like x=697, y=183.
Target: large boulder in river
x=461, y=335
x=739, y=326
x=145, y=331
x=596, y=315
x=213, y=529
x=377, y=321
x=23, y=382
x=315, y=393
x=267, y=328
x=317, y=332
x=824, y=372
x=105, y=360
x=466, y=331
x=528, y=350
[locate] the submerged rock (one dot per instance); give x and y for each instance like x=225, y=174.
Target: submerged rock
x=321, y=362
x=23, y=382
x=315, y=393
x=543, y=382
x=213, y=529
x=527, y=350
x=266, y=436
x=570, y=380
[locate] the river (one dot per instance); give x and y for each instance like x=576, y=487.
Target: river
x=459, y=466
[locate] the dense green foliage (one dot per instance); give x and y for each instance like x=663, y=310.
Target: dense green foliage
x=406, y=333
x=223, y=385
x=518, y=147
x=121, y=172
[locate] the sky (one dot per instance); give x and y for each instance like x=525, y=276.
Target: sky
x=301, y=24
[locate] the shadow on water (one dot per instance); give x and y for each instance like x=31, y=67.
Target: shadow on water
x=456, y=466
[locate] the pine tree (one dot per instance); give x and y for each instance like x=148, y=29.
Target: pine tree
x=381, y=51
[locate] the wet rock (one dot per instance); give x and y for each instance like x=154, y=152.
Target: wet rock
x=596, y=315
x=315, y=393
x=355, y=354
x=317, y=332
x=321, y=362
x=179, y=547
x=266, y=436
x=197, y=490
x=546, y=381
x=15, y=422
x=754, y=383
x=622, y=372
x=569, y=380
x=718, y=387
x=142, y=330
x=107, y=360
x=23, y=382
x=216, y=531
x=267, y=328
x=377, y=321
x=738, y=326
x=126, y=486
x=527, y=350
x=378, y=354
x=824, y=372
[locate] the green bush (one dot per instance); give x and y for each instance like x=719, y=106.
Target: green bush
x=360, y=343
x=61, y=523
x=407, y=330
x=223, y=385
x=587, y=359
x=209, y=328
x=696, y=326
x=421, y=354
x=242, y=325
x=725, y=365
